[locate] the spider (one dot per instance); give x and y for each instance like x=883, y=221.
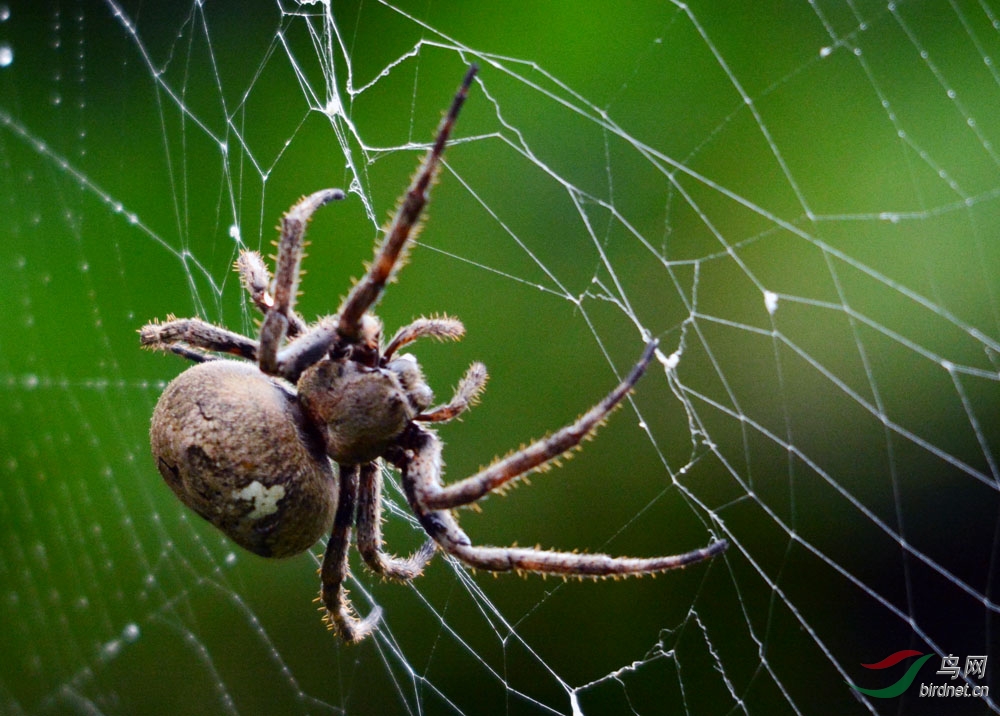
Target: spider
x=249, y=444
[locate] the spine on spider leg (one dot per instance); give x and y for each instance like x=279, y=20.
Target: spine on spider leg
x=390, y=252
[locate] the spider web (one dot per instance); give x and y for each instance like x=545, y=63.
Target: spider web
x=802, y=203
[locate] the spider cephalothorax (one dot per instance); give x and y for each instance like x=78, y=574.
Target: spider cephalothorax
x=249, y=446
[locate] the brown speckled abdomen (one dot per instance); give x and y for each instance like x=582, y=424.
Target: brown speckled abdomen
x=232, y=444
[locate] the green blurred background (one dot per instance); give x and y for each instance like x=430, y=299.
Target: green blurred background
x=846, y=444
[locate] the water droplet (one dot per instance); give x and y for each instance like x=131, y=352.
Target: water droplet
x=6, y=55
x=131, y=632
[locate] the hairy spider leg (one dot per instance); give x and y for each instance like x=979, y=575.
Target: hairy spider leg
x=334, y=570
x=280, y=317
x=442, y=328
x=366, y=292
x=197, y=334
x=369, y=524
x=444, y=528
x=466, y=395
x=435, y=496
x=432, y=501
x=256, y=279
x=286, y=275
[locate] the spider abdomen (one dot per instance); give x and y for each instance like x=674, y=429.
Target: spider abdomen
x=232, y=445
